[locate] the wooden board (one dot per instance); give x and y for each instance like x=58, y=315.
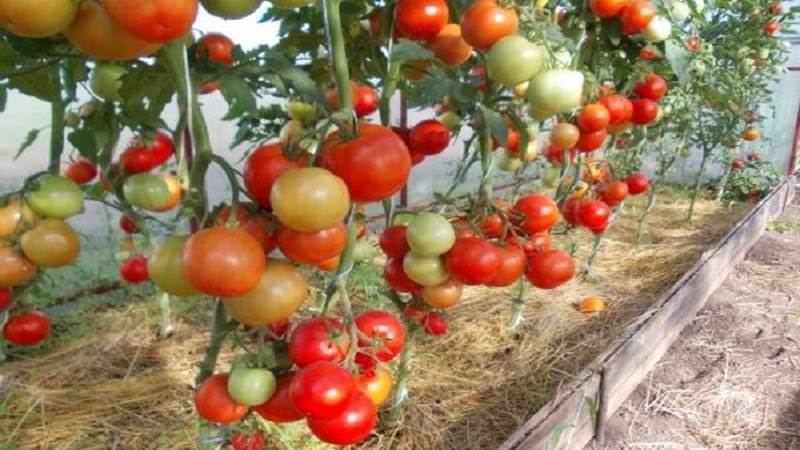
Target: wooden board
x=580, y=410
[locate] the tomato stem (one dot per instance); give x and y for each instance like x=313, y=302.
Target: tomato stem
x=333, y=28
x=519, y=305
x=220, y=328
x=400, y=392
x=57, y=127
x=339, y=281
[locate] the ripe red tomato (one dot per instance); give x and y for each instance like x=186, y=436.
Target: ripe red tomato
x=127, y=225
x=27, y=329
x=637, y=183
x=5, y=297
x=312, y=248
x=137, y=159
x=589, y=142
x=636, y=15
x=393, y=241
x=512, y=266
x=620, y=108
x=434, y=324
x=593, y=117
x=382, y=337
x=159, y=21
x=645, y=111
x=492, y=226
x=550, y=269
x=473, y=261
x=737, y=164
x=224, y=262
x=322, y=390
x=374, y=166
x=693, y=43
x=134, y=269
x=554, y=154
x=485, y=22
x=216, y=48
x=420, y=20
x=772, y=27
x=318, y=339
x=279, y=407
x=615, y=192
x=538, y=213
x=213, y=402
x=606, y=8
x=593, y=214
x=353, y=425
x=241, y=441
x=263, y=167
x=653, y=87
x=81, y=171
x=396, y=277
x=429, y=137
x=365, y=99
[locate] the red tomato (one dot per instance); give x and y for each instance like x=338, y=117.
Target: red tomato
x=554, y=154
x=648, y=54
x=637, y=183
x=214, y=404
x=772, y=27
x=215, y=48
x=693, y=43
x=606, y=8
x=593, y=214
x=263, y=167
x=434, y=324
x=492, y=226
x=137, y=159
x=653, y=87
x=322, y=390
x=351, y=426
x=134, y=269
x=81, y=171
x=615, y=192
x=393, y=241
x=312, y=248
x=396, y=277
x=485, y=22
x=241, y=441
x=737, y=164
x=535, y=213
x=473, y=261
x=382, y=337
x=279, y=407
x=318, y=339
x=636, y=15
x=248, y=218
x=620, y=109
x=570, y=210
x=5, y=297
x=365, y=99
x=589, y=142
x=420, y=20
x=512, y=266
x=224, y=262
x=374, y=166
x=645, y=111
x=127, y=225
x=159, y=21
x=593, y=117
x=27, y=329
x=776, y=9
x=429, y=137
x=550, y=269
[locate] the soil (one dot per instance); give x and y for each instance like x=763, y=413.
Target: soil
x=732, y=379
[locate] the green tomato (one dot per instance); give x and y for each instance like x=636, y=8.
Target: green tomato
x=146, y=191
x=743, y=52
x=300, y=110
x=451, y=120
x=403, y=218
x=56, y=197
x=680, y=11
x=425, y=270
x=250, y=386
x=555, y=91
x=550, y=177
x=430, y=234
x=508, y=163
x=658, y=30
x=106, y=81
x=164, y=267
x=363, y=251
x=763, y=53
x=231, y=9
x=514, y=60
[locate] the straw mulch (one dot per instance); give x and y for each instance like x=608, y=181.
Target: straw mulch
x=469, y=390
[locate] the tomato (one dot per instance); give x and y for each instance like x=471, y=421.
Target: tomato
x=216, y=48
x=279, y=407
x=430, y=234
x=636, y=16
x=535, y=213
x=443, y=296
x=44, y=19
x=322, y=390
x=593, y=117
x=647, y=54
x=94, y=33
x=240, y=441
x=309, y=199
x=329, y=265
x=737, y=164
x=263, y=167
x=693, y=43
x=569, y=210
x=15, y=268
x=363, y=251
x=555, y=155
x=55, y=197
x=51, y=243
x=175, y=191
x=365, y=99
x=550, y=269
x=680, y=11
x=492, y=226
x=312, y=248
x=615, y=192
x=449, y=46
x=473, y=261
x=591, y=305
x=565, y=135
x=249, y=219
x=395, y=276
x=164, y=265
x=376, y=384
x=214, y=404
x=606, y=8
x=637, y=183
x=224, y=262
x=776, y=9
x=106, y=81
x=159, y=21
x=754, y=157
x=750, y=134
x=645, y=111
x=318, y=339
x=485, y=22
x=5, y=297
x=772, y=27
x=593, y=214
x=277, y=296
x=230, y=9
x=653, y=87
x=81, y=171
x=429, y=137
x=425, y=270
x=27, y=329
x=134, y=269
x=393, y=241
x=382, y=337
x=420, y=20
x=512, y=265
x=300, y=110
x=434, y=324
x=251, y=386
x=555, y=91
x=658, y=30
x=620, y=108
x=137, y=159
x=15, y=216
x=146, y=191
x=374, y=166
x=354, y=424
x=514, y=59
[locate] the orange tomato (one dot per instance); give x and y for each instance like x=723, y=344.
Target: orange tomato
x=94, y=33
x=449, y=45
x=376, y=384
x=591, y=305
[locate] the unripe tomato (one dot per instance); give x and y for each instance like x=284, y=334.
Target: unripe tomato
x=658, y=30
x=106, y=81
x=565, y=136
x=514, y=59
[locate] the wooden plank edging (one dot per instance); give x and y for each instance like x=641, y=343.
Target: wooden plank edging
x=570, y=421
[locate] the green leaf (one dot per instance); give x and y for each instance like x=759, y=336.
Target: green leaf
x=30, y=138
x=238, y=93
x=496, y=125
x=38, y=83
x=30, y=46
x=406, y=50
x=75, y=71
x=678, y=58
x=86, y=144
x=612, y=29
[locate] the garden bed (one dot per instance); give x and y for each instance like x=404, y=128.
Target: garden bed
x=469, y=390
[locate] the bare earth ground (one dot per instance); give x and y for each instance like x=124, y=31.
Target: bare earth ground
x=732, y=380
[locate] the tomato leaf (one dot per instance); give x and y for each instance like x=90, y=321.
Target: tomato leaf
x=38, y=83
x=678, y=59
x=32, y=47
x=612, y=29
x=85, y=142
x=30, y=138
x=238, y=94
x=75, y=71
x=406, y=50
x=496, y=125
